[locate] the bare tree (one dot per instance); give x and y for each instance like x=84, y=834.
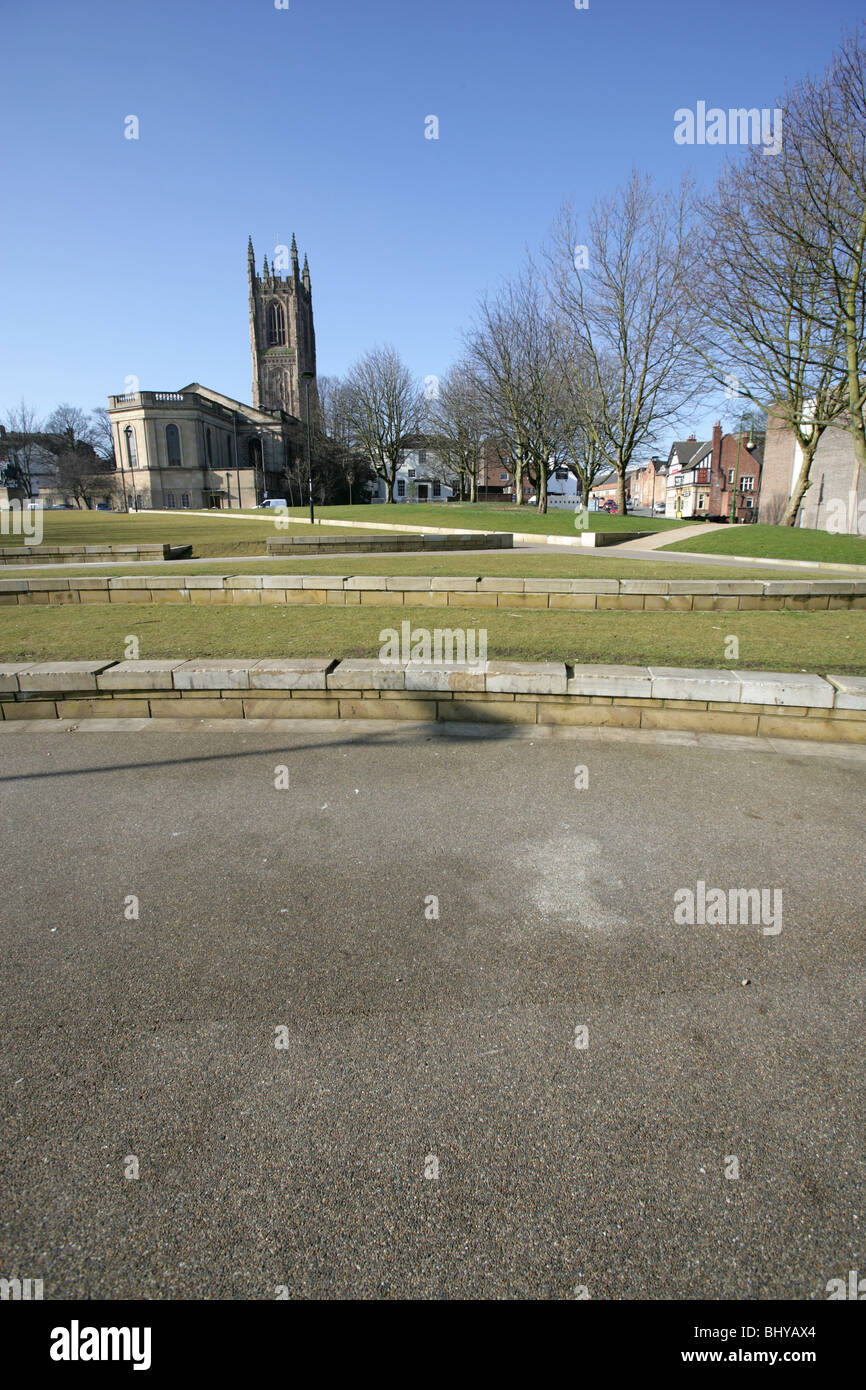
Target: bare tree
x=22, y=445
x=582, y=412
x=72, y=428
x=102, y=434
x=512, y=356
x=825, y=143
x=623, y=290
x=82, y=475
x=455, y=419
x=773, y=321
x=384, y=406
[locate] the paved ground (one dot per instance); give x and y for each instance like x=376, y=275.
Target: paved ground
x=683, y=533
x=412, y=1041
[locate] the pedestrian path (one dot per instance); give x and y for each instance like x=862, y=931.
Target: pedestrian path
x=682, y=533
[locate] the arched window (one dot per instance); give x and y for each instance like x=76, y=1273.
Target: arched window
x=172, y=445
x=209, y=444
x=276, y=325
x=131, y=455
x=229, y=450
x=254, y=452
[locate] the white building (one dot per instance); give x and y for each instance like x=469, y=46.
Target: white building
x=419, y=478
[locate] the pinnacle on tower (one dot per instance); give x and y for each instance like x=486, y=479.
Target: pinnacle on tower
x=266, y=272
x=294, y=257
x=306, y=275
x=251, y=260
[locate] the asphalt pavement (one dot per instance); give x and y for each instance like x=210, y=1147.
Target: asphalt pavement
x=423, y=1023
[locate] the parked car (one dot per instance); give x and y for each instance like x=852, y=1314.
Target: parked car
x=270, y=503
x=659, y=509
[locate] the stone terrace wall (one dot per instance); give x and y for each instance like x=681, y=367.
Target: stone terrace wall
x=648, y=595
x=89, y=554
x=793, y=705
x=337, y=545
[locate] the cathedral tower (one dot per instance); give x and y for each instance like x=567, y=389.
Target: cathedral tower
x=281, y=332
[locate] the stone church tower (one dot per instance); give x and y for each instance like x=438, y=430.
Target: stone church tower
x=281, y=335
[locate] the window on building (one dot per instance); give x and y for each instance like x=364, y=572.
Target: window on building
x=730, y=477
x=401, y=487
x=561, y=475
x=437, y=489
x=228, y=450
x=747, y=484
x=209, y=445
x=254, y=452
x=503, y=477
x=131, y=454
x=422, y=458
x=170, y=501
x=276, y=325
x=749, y=503
x=184, y=501
x=172, y=445
x=410, y=472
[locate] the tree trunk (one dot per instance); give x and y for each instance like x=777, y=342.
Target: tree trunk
x=801, y=487
x=518, y=477
x=620, y=491
x=473, y=487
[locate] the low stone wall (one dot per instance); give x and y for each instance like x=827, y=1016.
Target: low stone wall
x=89, y=554
x=792, y=705
x=597, y=538
x=648, y=595
x=350, y=545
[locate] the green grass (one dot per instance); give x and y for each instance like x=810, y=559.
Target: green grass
x=220, y=534
x=832, y=641
x=490, y=516
x=576, y=565
x=778, y=543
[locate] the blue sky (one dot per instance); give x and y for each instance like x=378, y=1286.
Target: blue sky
x=128, y=258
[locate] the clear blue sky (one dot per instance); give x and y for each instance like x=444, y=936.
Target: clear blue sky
x=124, y=257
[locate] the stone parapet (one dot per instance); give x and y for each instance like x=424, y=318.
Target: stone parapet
x=794, y=705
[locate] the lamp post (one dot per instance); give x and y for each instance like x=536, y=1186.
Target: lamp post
x=307, y=378
x=750, y=444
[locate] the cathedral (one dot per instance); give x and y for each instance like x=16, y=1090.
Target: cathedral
x=199, y=448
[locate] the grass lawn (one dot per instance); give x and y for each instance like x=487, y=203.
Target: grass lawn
x=825, y=641
x=490, y=516
x=576, y=565
x=778, y=543
x=220, y=534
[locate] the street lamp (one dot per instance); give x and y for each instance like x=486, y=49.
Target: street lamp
x=750, y=444
x=307, y=377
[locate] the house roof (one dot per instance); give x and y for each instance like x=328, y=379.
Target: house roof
x=685, y=449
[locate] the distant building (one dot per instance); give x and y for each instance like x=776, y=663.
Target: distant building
x=836, y=499
x=420, y=476
x=702, y=477
x=198, y=448
x=649, y=484
x=606, y=489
